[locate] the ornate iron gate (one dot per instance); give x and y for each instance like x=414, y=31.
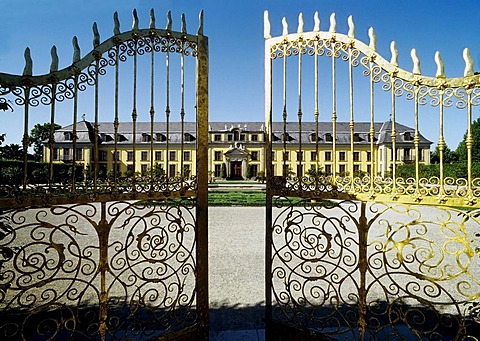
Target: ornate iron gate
x=101, y=241
x=356, y=250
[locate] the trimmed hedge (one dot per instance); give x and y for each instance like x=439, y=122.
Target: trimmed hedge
x=455, y=170
x=11, y=172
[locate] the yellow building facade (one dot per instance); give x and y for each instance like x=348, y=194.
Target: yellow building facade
x=237, y=150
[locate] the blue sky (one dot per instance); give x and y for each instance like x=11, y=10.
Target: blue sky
x=235, y=31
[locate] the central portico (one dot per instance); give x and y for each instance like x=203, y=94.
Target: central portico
x=236, y=158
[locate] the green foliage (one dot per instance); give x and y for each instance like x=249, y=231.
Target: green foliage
x=454, y=170
x=11, y=152
x=315, y=172
x=158, y=171
x=248, y=174
x=449, y=156
x=2, y=138
x=223, y=171
x=11, y=172
x=39, y=134
x=11, y=175
x=186, y=171
x=462, y=147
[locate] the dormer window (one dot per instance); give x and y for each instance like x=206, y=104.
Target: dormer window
x=328, y=137
x=374, y=138
x=314, y=137
x=357, y=138
x=68, y=136
x=275, y=138
x=146, y=137
x=407, y=136
x=189, y=137
x=286, y=137
x=159, y=137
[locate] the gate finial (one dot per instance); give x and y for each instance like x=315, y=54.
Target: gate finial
x=116, y=24
x=184, y=24
x=266, y=26
x=373, y=39
x=76, y=49
x=394, y=51
x=333, y=23
x=200, y=23
x=468, y=63
x=285, y=26
x=135, y=20
x=300, y=23
x=440, y=66
x=152, y=18
x=316, y=20
x=169, y=21
x=54, y=64
x=27, y=70
x=351, y=27
x=96, y=35
x=416, y=63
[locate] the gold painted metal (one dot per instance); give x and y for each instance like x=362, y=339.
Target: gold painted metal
x=372, y=257
x=94, y=257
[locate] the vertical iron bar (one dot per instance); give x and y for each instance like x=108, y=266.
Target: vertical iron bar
x=362, y=267
x=202, y=185
x=167, y=115
x=394, y=134
x=269, y=194
x=152, y=107
x=103, y=231
x=352, y=123
x=469, y=144
x=51, y=137
x=96, y=126
x=182, y=110
x=285, y=170
x=134, y=116
x=334, y=113
x=316, y=112
x=26, y=139
x=416, y=141
x=300, y=150
x=441, y=144
x=74, y=144
x=116, y=122
x=372, y=128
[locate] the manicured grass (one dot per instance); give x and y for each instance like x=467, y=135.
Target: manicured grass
x=236, y=198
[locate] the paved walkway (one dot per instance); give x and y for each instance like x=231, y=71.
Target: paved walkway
x=236, y=273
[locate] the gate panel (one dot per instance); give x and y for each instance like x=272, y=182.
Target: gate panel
x=355, y=248
x=107, y=237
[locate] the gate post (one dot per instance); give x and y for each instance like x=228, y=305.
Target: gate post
x=202, y=185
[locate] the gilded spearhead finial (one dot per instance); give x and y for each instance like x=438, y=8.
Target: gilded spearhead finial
x=116, y=24
x=333, y=23
x=373, y=39
x=416, y=62
x=152, y=18
x=169, y=21
x=28, y=69
x=351, y=27
x=316, y=20
x=96, y=35
x=184, y=24
x=135, y=21
x=394, y=51
x=440, y=66
x=266, y=26
x=200, y=23
x=285, y=26
x=76, y=49
x=54, y=64
x=468, y=63
x=300, y=23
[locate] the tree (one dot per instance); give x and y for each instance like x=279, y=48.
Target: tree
x=2, y=138
x=449, y=156
x=462, y=147
x=223, y=171
x=11, y=152
x=39, y=134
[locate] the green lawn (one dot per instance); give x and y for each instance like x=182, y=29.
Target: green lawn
x=236, y=198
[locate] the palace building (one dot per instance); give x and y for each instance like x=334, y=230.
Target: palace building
x=237, y=150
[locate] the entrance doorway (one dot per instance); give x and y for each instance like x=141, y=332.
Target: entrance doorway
x=236, y=170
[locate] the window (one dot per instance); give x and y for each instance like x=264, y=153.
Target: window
x=406, y=154
x=236, y=135
x=68, y=136
x=300, y=156
x=172, y=156
x=55, y=154
x=254, y=171
x=144, y=156
x=369, y=156
x=158, y=155
x=328, y=169
x=66, y=154
x=328, y=156
x=118, y=169
x=369, y=169
x=218, y=169
x=286, y=156
x=186, y=171
x=356, y=138
x=273, y=156
x=217, y=137
x=160, y=137
x=79, y=154
x=341, y=156
x=313, y=156
x=407, y=136
x=299, y=170
x=254, y=137
x=118, y=156
x=103, y=155
x=242, y=137
x=230, y=137
x=342, y=169
x=129, y=168
x=189, y=137
x=129, y=156
x=254, y=156
x=145, y=137
x=356, y=156
x=186, y=155
x=218, y=156
x=328, y=137
x=144, y=169
x=356, y=168
x=172, y=170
